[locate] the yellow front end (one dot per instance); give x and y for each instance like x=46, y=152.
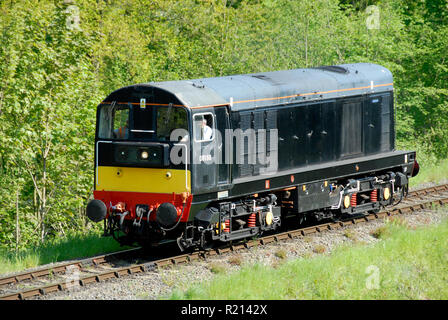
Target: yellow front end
x=150, y=180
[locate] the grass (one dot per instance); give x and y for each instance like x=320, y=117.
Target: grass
x=319, y=248
x=407, y=264
x=236, y=260
x=216, y=267
x=281, y=254
x=348, y=233
x=71, y=247
x=430, y=173
x=380, y=232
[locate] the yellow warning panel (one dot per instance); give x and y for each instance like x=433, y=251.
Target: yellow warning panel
x=142, y=180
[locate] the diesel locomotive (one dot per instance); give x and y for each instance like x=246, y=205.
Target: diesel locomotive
x=213, y=160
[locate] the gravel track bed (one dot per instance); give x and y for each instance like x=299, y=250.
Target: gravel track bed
x=159, y=285
x=429, y=184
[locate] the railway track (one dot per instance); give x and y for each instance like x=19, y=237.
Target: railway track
x=24, y=278
x=100, y=268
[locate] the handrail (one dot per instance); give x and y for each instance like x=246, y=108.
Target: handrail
x=186, y=163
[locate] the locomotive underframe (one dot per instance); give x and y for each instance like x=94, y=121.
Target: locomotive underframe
x=235, y=218
x=231, y=220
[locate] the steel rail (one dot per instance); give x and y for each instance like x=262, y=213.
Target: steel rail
x=186, y=258
x=60, y=268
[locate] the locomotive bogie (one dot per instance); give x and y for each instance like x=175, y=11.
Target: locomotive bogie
x=228, y=221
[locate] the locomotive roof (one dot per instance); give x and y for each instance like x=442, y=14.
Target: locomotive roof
x=263, y=89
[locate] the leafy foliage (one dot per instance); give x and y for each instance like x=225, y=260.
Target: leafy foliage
x=49, y=92
x=58, y=59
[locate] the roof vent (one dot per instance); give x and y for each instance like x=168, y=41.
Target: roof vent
x=198, y=85
x=337, y=69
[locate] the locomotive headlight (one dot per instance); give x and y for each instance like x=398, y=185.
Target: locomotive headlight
x=144, y=155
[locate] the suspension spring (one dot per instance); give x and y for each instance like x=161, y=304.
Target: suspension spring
x=251, y=221
x=374, y=195
x=227, y=228
x=353, y=200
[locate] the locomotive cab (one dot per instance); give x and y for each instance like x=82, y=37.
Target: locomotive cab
x=147, y=146
x=140, y=193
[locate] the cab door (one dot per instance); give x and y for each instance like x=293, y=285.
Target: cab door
x=210, y=170
x=223, y=167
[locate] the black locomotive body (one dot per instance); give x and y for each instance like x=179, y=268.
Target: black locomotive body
x=256, y=152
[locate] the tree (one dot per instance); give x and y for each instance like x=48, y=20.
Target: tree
x=47, y=122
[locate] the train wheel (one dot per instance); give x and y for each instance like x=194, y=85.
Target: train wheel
x=206, y=241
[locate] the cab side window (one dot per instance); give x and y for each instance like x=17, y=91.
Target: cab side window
x=203, y=127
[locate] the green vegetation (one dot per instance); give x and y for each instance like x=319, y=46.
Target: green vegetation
x=319, y=248
x=71, y=247
x=436, y=172
x=216, y=267
x=281, y=254
x=59, y=59
x=407, y=264
x=348, y=233
x=380, y=232
x=236, y=260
